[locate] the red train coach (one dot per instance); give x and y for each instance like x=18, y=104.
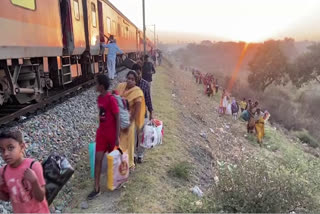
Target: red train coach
x=45, y=44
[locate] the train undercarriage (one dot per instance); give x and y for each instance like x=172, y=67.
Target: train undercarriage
x=24, y=81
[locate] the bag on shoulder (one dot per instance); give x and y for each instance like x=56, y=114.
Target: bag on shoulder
x=123, y=111
x=234, y=108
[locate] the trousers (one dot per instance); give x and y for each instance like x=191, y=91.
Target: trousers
x=111, y=65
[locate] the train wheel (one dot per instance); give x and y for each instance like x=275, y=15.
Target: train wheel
x=28, y=80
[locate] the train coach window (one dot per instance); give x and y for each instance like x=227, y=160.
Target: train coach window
x=119, y=30
x=127, y=32
x=94, y=15
x=114, y=27
x=76, y=9
x=28, y=4
x=108, y=25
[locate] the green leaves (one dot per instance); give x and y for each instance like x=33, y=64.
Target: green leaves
x=268, y=66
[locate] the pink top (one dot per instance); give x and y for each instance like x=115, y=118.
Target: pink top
x=19, y=190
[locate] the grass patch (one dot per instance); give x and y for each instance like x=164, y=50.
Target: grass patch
x=189, y=203
x=180, y=170
x=305, y=137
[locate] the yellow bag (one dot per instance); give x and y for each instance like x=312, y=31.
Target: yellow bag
x=118, y=169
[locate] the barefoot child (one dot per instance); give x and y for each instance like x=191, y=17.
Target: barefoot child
x=107, y=137
x=21, y=180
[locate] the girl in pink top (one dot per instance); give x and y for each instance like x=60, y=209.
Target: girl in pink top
x=21, y=180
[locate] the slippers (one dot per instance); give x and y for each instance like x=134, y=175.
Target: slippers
x=131, y=169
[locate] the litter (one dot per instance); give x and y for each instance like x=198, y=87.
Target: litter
x=197, y=191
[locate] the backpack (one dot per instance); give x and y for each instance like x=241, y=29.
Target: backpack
x=123, y=111
x=234, y=108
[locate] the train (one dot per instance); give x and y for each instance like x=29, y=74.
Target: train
x=52, y=44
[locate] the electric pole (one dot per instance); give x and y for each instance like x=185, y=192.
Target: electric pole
x=144, y=28
x=154, y=37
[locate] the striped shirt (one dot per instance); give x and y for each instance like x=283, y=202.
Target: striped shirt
x=146, y=91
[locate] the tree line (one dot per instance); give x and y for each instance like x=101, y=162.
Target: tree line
x=271, y=65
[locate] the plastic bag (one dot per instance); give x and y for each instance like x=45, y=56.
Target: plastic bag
x=92, y=158
x=118, y=169
x=150, y=136
x=57, y=171
x=159, y=128
x=92, y=155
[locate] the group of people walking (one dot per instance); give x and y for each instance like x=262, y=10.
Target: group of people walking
x=210, y=83
x=250, y=111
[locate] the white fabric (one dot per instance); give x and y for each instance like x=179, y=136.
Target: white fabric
x=225, y=102
x=111, y=65
x=228, y=111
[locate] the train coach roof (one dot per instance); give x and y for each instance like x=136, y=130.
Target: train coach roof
x=121, y=14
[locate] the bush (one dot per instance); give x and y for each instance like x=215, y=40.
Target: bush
x=305, y=137
x=254, y=186
x=181, y=170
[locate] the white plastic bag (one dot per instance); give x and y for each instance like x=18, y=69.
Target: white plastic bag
x=159, y=128
x=150, y=136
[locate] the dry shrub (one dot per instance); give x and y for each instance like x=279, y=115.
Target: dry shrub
x=253, y=186
x=305, y=137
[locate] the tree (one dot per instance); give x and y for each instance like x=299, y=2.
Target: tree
x=306, y=67
x=206, y=43
x=268, y=66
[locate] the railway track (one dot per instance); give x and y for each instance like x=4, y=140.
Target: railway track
x=9, y=113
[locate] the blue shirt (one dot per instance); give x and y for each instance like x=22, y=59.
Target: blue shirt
x=113, y=50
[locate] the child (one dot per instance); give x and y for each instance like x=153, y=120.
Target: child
x=243, y=105
x=21, y=180
x=107, y=137
x=234, y=109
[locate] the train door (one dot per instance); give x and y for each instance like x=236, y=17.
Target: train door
x=100, y=14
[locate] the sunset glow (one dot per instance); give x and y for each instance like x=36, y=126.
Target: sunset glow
x=237, y=20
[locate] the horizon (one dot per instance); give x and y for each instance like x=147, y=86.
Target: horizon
x=230, y=20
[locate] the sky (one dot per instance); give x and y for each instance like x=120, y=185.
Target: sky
x=227, y=20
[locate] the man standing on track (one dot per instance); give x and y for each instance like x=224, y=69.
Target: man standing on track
x=112, y=55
